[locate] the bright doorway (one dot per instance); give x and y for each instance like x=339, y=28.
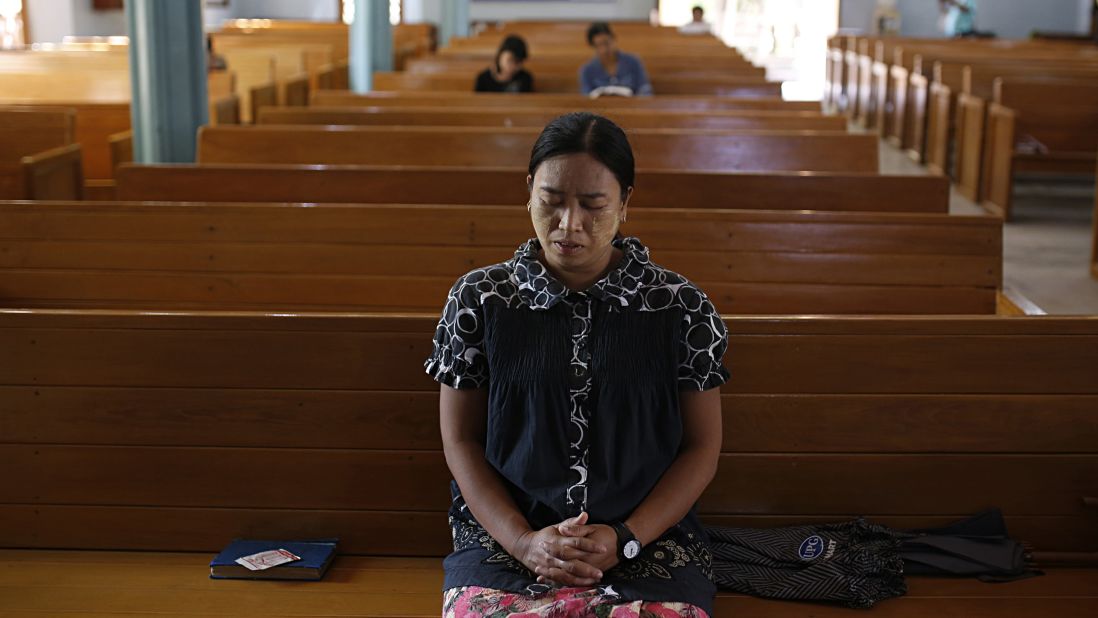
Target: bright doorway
x=788, y=37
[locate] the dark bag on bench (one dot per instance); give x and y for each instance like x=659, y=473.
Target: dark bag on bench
x=853, y=563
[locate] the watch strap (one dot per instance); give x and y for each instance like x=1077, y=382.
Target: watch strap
x=625, y=535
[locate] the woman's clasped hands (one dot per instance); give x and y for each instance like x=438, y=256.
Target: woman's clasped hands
x=571, y=553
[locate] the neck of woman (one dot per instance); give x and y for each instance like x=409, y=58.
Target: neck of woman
x=580, y=280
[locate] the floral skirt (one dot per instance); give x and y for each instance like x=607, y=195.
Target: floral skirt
x=476, y=602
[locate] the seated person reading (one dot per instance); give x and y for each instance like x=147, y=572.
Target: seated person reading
x=611, y=72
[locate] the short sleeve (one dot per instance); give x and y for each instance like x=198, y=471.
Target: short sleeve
x=644, y=86
x=704, y=340
x=458, y=358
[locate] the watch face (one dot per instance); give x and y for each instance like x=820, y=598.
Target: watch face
x=631, y=549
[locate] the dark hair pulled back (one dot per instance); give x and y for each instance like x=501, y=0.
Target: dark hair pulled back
x=597, y=28
x=584, y=132
x=514, y=44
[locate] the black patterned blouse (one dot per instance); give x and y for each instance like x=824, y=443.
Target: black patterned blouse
x=583, y=398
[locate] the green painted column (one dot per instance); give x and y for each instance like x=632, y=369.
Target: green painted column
x=455, y=20
x=168, y=79
x=371, y=43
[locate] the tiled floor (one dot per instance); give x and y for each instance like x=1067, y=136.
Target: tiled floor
x=1046, y=249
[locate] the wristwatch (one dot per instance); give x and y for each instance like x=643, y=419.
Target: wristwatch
x=628, y=545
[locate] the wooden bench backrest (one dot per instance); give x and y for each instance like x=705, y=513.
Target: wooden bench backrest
x=29, y=130
x=228, y=40
x=336, y=98
x=1062, y=115
x=717, y=85
x=396, y=258
x=979, y=79
x=1094, y=239
x=532, y=117
x=180, y=432
x=537, y=66
x=505, y=187
x=497, y=147
x=253, y=69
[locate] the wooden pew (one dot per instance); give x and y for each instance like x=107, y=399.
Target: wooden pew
x=1037, y=126
x=972, y=113
x=411, y=42
x=705, y=85
x=655, y=65
x=334, y=98
x=405, y=257
x=38, y=159
x=95, y=84
x=504, y=186
x=1094, y=242
x=496, y=147
x=532, y=117
x=256, y=426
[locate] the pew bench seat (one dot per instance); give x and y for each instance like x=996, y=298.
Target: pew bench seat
x=83, y=583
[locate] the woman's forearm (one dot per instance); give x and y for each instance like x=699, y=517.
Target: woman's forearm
x=485, y=493
x=675, y=493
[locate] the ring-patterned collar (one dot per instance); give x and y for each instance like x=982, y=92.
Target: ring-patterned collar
x=539, y=289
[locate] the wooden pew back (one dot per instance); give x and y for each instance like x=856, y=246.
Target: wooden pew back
x=29, y=130
x=500, y=147
x=471, y=65
x=182, y=431
x=38, y=159
x=505, y=186
x=531, y=117
x=334, y=98
x=396, y=258
x=702, y=84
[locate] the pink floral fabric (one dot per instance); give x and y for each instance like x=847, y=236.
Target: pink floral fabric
x=476, y=602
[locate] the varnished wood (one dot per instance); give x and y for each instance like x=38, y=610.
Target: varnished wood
x=387, y=533
x=206, y=257
x=406, y=420
x=38, y=159
x=1094, y=240
x=55, y=174
x=495, y=147
x=289, y=356
x=70, y=581
x=495, y=117
x=343, y=98
x=1028, y=129
x=422, y=185
x=550, y=65
x=29, y=130
x=716, y=84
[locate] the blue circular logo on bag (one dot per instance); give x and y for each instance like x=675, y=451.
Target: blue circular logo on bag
x=811, y=548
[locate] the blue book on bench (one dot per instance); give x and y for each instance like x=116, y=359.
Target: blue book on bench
x=316, y=556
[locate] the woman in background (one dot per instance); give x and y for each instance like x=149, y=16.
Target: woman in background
x=507, y=73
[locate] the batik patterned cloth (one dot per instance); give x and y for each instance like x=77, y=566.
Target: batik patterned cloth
x=473, y=601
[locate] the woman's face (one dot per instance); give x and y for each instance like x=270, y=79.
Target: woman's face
x=605, y=46
x=576, y=207
x=508, y=65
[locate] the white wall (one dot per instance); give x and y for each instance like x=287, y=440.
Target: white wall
x=1009, y=19
x=577, y=10
x=50, y=20
x=857, y=14
x=1016, y=19
x=310, y=10
x=213, y=16
x=423, y=11
x=89, y=22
